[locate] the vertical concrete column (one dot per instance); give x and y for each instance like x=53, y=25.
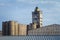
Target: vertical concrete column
x=41, y=17
x=12, y=25
x=19, y=29
x=16, y=25
x=34, y=25
x=22, y=29
x=3, y=28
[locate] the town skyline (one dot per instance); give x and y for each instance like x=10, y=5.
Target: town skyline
x=21, y=10
x=13, y=28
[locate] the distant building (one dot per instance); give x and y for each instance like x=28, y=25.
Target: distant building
x=46, y=30
x=22, y=30
x=37, y=17
x=13, y=28
x=0, y=33
x=35, y=28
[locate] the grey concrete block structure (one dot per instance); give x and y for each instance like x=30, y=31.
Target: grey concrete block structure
x=37, y=17
x=46, y=30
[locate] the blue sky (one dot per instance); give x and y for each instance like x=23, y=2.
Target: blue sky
x=21, y=10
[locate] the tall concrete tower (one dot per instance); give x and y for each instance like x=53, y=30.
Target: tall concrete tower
x=37, y=17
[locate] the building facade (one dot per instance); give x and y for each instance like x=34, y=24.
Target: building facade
x=0, y=33
x=13, y=28
x=46, y=30
x=37, y=18
x=35, y=28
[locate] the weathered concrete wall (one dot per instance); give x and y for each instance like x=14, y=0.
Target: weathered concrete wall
x=0, y=33
x=13, y=28
x=22, y=29
x=48, y=30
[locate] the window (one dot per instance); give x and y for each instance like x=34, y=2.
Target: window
x=35, y=12
x=35, y=18
x=40, y=23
